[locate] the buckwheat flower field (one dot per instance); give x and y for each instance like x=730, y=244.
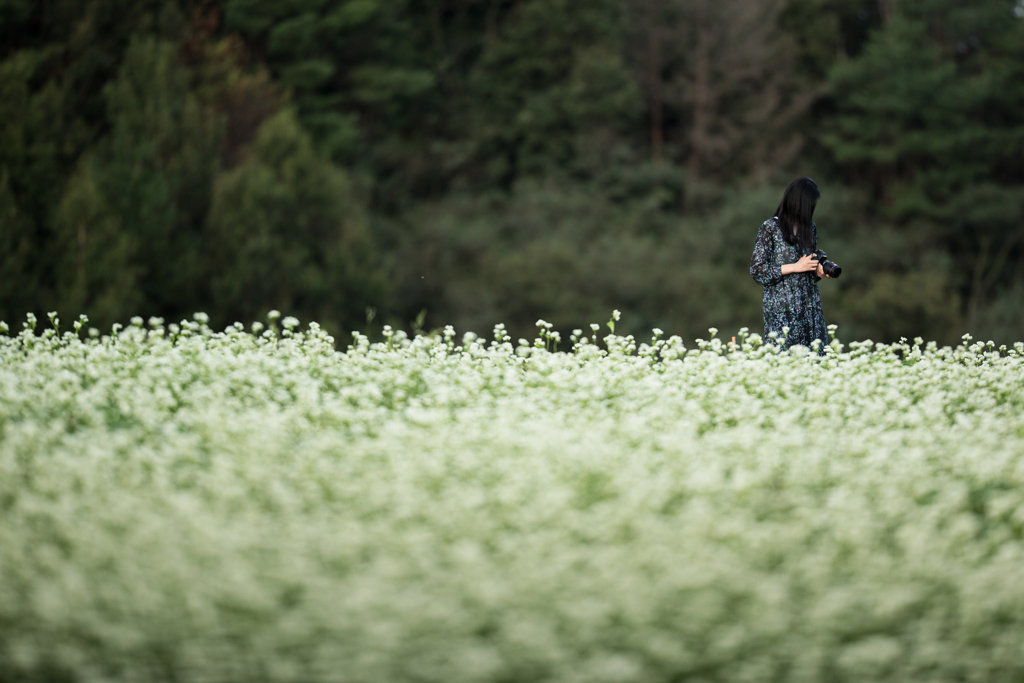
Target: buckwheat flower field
x=179, y=504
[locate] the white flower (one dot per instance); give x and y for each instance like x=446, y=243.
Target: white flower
x=799, y=350
x=218, y=471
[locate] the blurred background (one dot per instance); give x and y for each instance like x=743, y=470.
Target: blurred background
x=365, y=162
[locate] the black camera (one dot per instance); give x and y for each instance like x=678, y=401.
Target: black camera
x=830, y=268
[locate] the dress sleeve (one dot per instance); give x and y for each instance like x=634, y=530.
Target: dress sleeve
x=765, y=263
x=814, y=241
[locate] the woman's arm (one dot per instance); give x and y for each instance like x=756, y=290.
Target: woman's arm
x=764, y=265
x=805, y=264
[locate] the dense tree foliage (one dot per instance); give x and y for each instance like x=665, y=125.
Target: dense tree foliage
x=363, y=161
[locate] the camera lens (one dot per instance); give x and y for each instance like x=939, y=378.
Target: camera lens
x=835, y=271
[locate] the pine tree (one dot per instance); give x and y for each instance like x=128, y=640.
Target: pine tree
x=155, y=173
x=931, y=118
x=286, y=232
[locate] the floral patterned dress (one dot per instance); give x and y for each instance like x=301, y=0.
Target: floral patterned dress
x=790, y=300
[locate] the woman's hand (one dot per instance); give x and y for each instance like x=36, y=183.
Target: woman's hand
x=821, y=272
x=804, y=265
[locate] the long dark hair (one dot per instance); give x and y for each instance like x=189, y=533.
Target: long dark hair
x=796, y=210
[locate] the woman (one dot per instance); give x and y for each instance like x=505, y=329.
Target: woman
x=784, y=263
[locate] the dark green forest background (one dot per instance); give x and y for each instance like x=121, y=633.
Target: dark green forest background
x=357, y=162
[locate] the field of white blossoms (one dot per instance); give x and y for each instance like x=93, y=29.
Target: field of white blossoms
x=179, y=504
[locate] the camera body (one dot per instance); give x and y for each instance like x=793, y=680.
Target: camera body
x=830, y=268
